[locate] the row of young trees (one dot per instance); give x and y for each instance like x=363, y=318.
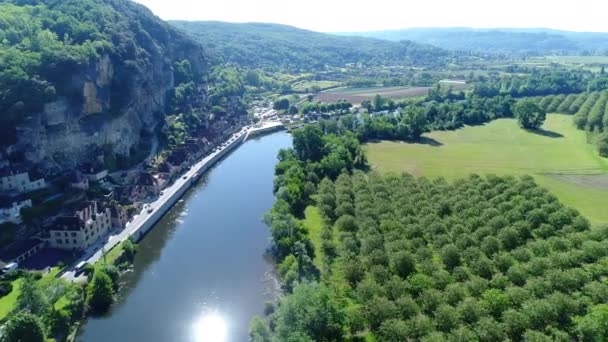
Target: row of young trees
x=590, y=111
x=479, y=259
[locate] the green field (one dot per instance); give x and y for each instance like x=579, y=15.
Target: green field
x=7, y=303
x=502, y=148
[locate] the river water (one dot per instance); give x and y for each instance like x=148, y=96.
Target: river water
x=200, y=274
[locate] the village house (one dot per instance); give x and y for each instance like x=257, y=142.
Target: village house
x=78, y=180
x=119, y=216
x=129, y=194
x=10, y=207
x=82, y=229
x=18, y=180
x=94, y=172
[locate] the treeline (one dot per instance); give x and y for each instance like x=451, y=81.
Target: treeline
x=479, y=259
x=542, y=83
x=279, y=47
x=590, y=111
x=324, y=107
x=408, y=120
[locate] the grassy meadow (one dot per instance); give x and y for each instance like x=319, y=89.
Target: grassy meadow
x=502, y=148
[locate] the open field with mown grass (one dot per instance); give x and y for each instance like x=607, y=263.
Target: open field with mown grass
x=502, y=148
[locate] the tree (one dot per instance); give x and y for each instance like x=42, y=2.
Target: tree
x=23, y=327
x=403, y=263
x=529, y=114
x=594, y=325
x=450, y=256
x=31, y=299
x=58, y=322
x=258, y=331
x=308, y=143
x=293, y=110
x=602, y=143
x=100, y=292
x=282, y=104
x=310, y=313
x=378, y=103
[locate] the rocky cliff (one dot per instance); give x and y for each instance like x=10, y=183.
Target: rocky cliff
x=105, y=101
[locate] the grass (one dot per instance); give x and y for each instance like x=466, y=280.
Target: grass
x=314, y=222
x=502, y=148
x=7, y=303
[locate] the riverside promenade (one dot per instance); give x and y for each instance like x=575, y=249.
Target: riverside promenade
x=152, y=212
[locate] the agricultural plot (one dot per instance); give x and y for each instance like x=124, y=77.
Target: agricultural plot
x=502, y=148
x=358, y=95
x=307, y=86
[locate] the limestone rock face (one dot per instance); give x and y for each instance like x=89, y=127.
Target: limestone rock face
x=70, y=132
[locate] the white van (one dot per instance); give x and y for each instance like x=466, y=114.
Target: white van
x=10, y=267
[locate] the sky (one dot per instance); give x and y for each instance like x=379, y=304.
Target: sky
x=371, y=15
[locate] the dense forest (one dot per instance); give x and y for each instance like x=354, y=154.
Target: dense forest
x=508, y=41
x=46, y=46
x=479, y=259
x=258, y=45
x=539, y=82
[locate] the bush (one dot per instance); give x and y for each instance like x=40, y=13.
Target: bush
x=23, y=327
x=6, y=287
x=100, y=292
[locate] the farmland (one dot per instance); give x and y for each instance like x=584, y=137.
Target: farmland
x=502, y=148
x=358, y=95
x=306, y=86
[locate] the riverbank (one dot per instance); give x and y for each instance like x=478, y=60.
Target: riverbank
x=154, y=211
x=207, y=252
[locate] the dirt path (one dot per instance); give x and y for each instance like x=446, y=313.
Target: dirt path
x=589, y=181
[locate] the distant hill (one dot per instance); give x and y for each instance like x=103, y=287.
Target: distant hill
x=530, y=41
x=272, y=45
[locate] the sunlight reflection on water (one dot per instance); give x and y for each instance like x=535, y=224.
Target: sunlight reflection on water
x=211, y=327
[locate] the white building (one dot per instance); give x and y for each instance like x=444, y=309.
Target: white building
x=10, y=208
x=19, y=181
x=81, y=230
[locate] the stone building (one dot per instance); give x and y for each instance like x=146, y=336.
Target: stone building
x=78, y=180
x=10, y=207
x=17, y=180
x=81, y=230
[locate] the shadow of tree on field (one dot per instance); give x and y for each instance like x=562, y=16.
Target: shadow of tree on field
x=430, y=142
x=545, y=133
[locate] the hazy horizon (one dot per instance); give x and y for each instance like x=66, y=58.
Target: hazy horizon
x=347, y=16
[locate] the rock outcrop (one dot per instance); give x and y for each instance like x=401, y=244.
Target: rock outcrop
x=107, y=104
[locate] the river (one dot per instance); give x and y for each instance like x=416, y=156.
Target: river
x=200, y=274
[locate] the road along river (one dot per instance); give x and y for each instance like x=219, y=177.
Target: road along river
x=200, y=274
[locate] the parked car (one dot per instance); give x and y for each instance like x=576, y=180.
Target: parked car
x=80, y=267
x=10, y=267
